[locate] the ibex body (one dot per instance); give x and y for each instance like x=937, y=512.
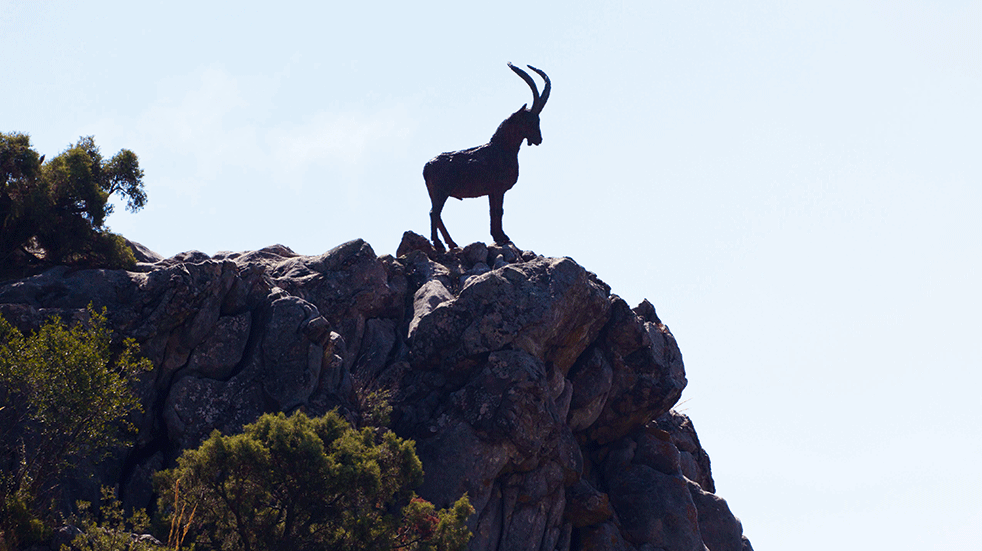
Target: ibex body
x=490, y=169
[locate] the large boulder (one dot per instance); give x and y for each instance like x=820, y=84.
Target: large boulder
x=524, y=382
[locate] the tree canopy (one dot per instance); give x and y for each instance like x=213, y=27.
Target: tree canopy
x=307, y=483
x=55, y=211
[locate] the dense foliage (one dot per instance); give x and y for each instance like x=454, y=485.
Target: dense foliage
x=302, y=483
x=56, y=210
x=64, y=395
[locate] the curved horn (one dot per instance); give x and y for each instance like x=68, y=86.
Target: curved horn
x=528, y=80
x=541, y=100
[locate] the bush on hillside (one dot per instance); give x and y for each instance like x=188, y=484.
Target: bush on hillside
x=307, y=483
x=65, y=395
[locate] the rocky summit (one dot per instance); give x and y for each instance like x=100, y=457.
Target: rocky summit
x=522, y=379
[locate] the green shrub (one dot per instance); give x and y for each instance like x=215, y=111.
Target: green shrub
x=64, y=398
x=110, y=530
x=302, y=483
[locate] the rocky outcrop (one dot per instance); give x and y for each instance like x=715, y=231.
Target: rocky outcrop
x=522, y=379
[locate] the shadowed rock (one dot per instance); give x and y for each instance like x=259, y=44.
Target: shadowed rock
x=524, y=382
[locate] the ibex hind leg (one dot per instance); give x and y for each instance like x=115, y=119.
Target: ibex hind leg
x=446, y=237
x=436, y=225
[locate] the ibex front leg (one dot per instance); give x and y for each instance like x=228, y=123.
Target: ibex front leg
x=497, y=201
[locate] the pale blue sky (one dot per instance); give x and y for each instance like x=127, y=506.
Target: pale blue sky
x=796, y=187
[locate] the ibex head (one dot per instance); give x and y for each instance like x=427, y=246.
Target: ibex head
x=531, y=115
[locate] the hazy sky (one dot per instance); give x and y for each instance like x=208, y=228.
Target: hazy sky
x=795, y=186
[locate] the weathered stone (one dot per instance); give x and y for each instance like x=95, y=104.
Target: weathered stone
x=508, y=252
x=625, y=332
x=248, y=291
x=377, y=345
x=587, y=506
x=142, y=253
x=189, y=335
x=476, y=253
x=569, y=456
x=527, y=525
x=433, y=293
x=658, y=453
x=550, y=308
x=465, y=463
x=221, y=351
x=195, y=406
x=720, y=530
x=591, y=378
x=414, y=242
x=187, y=257
x=291, y=361
x=27, y=318
x=264, y=259
x=335, y=387
x=347, y=284
x=603, y=537
x=654, y=508
x=646, y=383
x=172, y=296
x=526, y=510
x=63, y=288
x=508, y=402
x=347, y=280
x=527, y=386
x=646, y=311
x=694, y=461
x=478, y=269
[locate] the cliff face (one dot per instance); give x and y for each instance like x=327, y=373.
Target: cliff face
x=524, y=382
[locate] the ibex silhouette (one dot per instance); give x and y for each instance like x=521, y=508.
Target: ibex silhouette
x=490, y=169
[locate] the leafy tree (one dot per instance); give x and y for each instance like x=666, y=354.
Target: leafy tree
x=21, y=195
x=61, y=206
x=302, y=483
x=64, y=397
